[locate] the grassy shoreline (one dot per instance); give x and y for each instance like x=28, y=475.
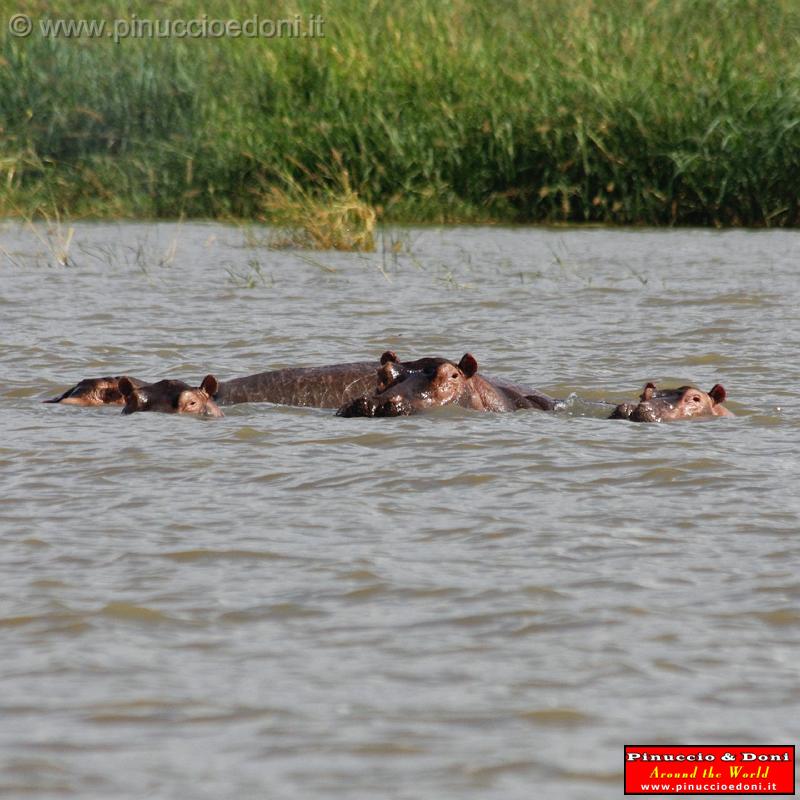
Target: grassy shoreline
x=628, y=113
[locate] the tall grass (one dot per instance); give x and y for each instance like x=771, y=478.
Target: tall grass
x=615, y=111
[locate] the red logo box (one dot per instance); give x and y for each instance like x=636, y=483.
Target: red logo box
x=709, y=769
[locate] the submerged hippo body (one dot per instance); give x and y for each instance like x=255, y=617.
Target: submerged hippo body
x=412, y=387
x=319, y=387
x=685, y=402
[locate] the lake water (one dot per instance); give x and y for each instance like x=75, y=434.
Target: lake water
x=287, y=604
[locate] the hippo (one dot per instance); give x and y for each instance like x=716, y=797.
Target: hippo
x=320, y=387
x=171, y=397
x=334, y=386
x=409, y=388
x=95, y=392
x=666, y=405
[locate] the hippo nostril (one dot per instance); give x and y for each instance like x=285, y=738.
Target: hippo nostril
x=395, y=407
x=360, y=407
x=644, y=413
x=623, y=411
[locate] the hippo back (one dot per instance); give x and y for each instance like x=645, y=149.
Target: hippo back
x=522, y=396
x=321, y=387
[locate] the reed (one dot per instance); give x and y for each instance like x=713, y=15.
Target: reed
x=330, y=216
x=619, y=111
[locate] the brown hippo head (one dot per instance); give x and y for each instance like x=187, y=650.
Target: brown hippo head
x=95, y=392
x=685, y=402
x=409, y=387
x=171, y=397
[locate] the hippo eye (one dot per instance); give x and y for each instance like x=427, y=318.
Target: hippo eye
x=696, y=398
x=454, y=375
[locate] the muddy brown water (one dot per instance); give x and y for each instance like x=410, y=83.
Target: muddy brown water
x=286, y=604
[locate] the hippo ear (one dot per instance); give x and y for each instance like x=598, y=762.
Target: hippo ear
x=391, y=373
x=649, y=391
x=210, y=385
x=389, y=357
x=718, y=393
x=468, y=365
x=135, y=399
x=126, y=386
x=133, y=403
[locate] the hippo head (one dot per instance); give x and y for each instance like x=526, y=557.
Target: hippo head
x=409, y=387
x=94, y=392
x=171, y=397
x=666, y=405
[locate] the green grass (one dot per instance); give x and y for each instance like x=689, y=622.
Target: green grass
x=618, y=111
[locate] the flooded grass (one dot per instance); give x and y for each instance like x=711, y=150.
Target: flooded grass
x=330, y=217
x=455, y=111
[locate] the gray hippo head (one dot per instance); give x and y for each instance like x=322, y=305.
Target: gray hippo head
x=409, y=387
x=666, y=405
x=171, y=397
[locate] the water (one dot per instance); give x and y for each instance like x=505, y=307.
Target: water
x=287, y=604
